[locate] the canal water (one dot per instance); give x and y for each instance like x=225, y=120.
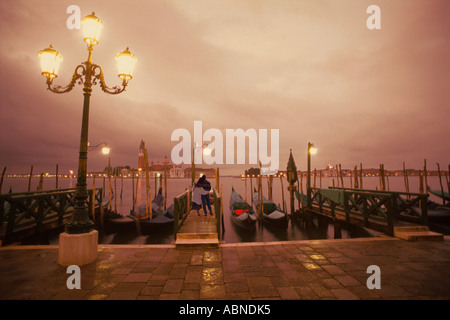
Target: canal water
x=232, y=234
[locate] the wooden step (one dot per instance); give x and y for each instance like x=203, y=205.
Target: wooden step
x=412, y=228
x=197, y=240
x=185, y=243
x=419, y=235
x=186, y=235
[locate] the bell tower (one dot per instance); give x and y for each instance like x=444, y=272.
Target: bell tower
x=141, y=157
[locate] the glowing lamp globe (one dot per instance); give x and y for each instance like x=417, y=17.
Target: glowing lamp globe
x=125, y=64
x=105, y=150
x=207, y=151
x=91, y=26
x=50, y=62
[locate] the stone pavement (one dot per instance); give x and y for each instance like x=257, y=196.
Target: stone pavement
x=313, y=269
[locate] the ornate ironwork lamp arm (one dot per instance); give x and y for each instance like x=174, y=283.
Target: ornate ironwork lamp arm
x=76, y=77
x=97, y=73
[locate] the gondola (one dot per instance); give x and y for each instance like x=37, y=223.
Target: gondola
x=242, y=214
x=161, y=219
x=440, y=194
x=272, y=214
x=115, y=222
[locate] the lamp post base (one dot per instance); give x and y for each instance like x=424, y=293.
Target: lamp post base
x=80, y=221
x=77, y=249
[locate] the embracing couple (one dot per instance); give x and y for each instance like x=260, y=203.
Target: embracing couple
x=200, y=195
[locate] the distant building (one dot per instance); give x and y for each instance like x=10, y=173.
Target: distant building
x=208, y=172
x=176, y=172
x=159, y=168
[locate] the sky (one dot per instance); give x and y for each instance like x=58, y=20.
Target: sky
x=311, y=69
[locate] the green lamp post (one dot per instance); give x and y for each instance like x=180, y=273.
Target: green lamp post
x=88, y=74
x=311, y=150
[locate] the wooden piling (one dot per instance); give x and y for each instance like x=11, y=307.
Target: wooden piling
x=301, y=189
x=251, y=189
x=221, y=197
x=102, y=215
x=110, y=185
x=56, y=176
x=360, y=176
x=137, y=187
x=188, y=200
x=137, y=220
x=245, y=186
x=160, y=184
x=218, y=179
x=165, y=186
x=270, y=187
x=29, y=179
x=221, y=210
x=282, y=192
x=315, y=175
x=440, y=183
x=1, y=181
x=405, y=178
x=382, y=178
x=132, y=187
x=121, y=186
x=421, y=189
x=388, y=183
x=425, y=174
x=156, y=184
x=260, y=190
x=299, y=200
x=93, y=201
x=447, y=177
x=148, y=195
x=41, y=182
x=379, y=178
x=115, y=192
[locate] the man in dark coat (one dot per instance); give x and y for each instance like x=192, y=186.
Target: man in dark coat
x=203, y=183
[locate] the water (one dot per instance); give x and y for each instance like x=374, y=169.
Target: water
x=232, y=234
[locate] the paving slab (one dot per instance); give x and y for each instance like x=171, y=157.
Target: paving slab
x=291, y=270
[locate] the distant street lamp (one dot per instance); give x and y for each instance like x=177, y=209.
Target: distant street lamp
x=311, y=150
x=89, y=74
x=105, y=149
x=206, y=151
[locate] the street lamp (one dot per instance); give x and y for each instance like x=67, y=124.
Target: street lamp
x=311, y=150
x=206, y=151
x=105, y=149
x=88, y=74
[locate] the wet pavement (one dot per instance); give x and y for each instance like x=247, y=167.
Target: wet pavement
x=288, y=270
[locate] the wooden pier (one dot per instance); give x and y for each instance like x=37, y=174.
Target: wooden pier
x=192, y=230
x=198, y=230
x=400, y=214
x=27, y=214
